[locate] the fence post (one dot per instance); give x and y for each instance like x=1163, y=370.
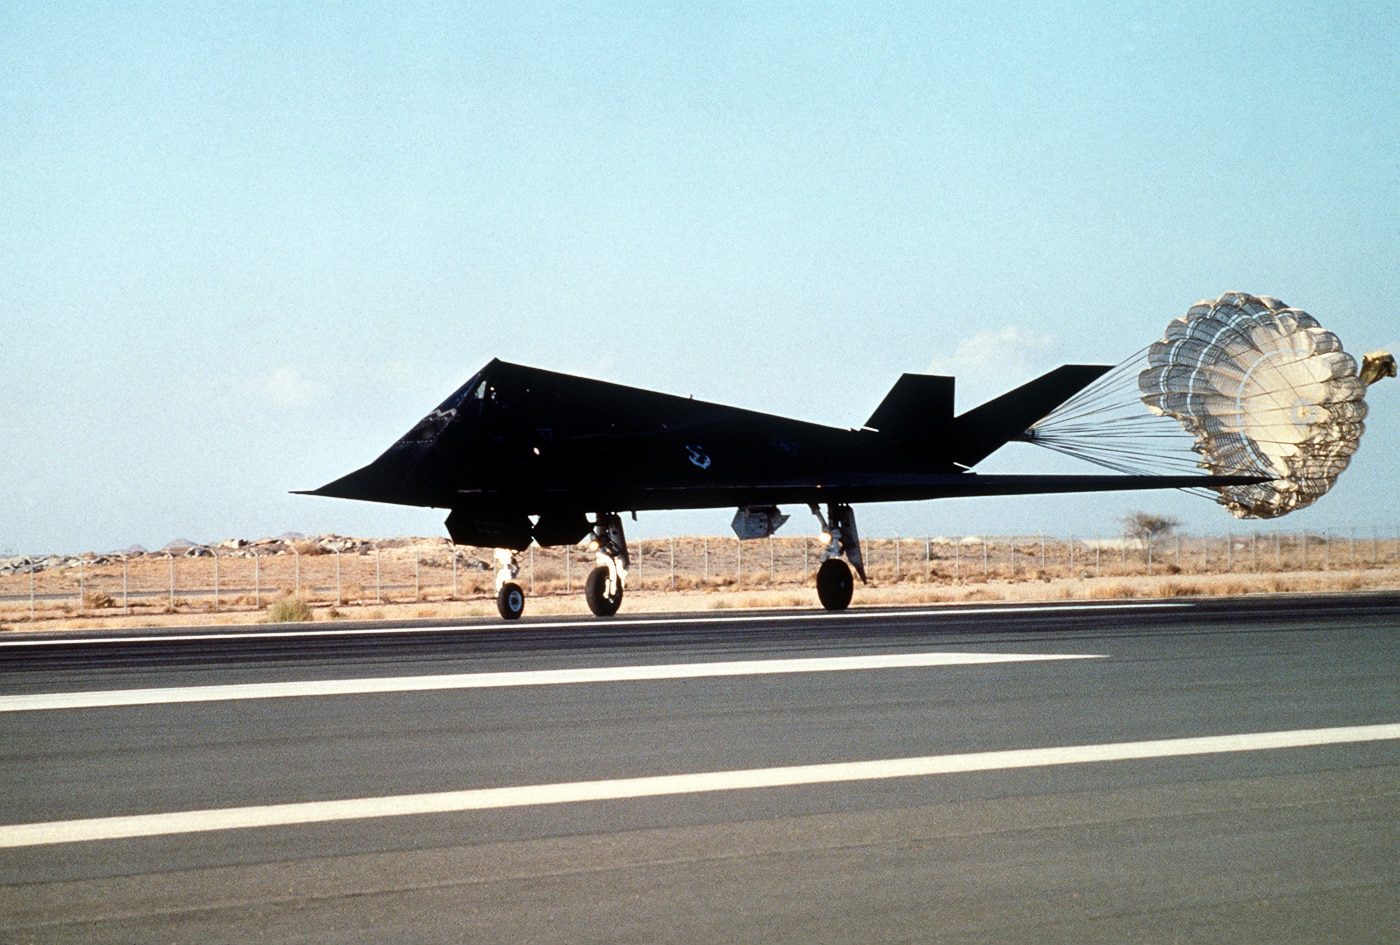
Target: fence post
x=568, y=568
x=215, y=552
x=772, y=575
x=454, y=571
x=257, y=582
x=378, y=584
x=337, y=577
x=31, y=589
x=673, y=562
x=80, y=585
x=707, y=559
x=1328, y=539
x=172, y=580
x=1278, y=554
x=738, y=562
x=417, y=592
x=1042, y=552
x=1229, y=553
x=532, y=572
x=297, y=581
x=984, y=558
x=805, y=570
x=957, y=557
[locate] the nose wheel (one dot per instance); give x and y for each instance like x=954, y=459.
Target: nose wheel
x=510, y=598
x=510, y=601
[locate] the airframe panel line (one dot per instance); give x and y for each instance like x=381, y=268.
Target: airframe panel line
x=546, y=677
x=571, y=624
x=202, y=821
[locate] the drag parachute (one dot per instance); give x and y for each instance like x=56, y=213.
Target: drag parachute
x=1260, y=389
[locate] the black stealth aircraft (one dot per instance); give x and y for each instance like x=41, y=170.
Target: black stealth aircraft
x=519, y=454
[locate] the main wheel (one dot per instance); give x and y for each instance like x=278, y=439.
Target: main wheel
x=595, y=591
x=510, y=601
x=834, y=584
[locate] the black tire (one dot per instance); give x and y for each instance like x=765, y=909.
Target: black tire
x=834, y=584
x=595, y=591
x=510, y=601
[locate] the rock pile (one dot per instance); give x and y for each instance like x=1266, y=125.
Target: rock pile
x=231, y=548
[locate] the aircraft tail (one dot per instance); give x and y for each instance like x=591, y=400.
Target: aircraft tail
x=917, y=410
x=985, y=429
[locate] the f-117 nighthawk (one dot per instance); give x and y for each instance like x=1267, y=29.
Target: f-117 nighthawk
x=521, y=455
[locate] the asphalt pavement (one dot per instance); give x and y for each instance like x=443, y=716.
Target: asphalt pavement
x=919, y=774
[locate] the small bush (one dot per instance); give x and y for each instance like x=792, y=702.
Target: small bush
x=288, y=610
x=98, y=600
x=308, y=546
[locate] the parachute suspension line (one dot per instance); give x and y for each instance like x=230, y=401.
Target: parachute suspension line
x=1106, y=424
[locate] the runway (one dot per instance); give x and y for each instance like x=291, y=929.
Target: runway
x=1212, y=771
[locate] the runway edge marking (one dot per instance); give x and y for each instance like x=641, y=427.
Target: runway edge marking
x=988, y=610
x=547, y=677
x=479, y=799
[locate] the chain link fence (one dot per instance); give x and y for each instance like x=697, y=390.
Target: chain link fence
x=342, y=572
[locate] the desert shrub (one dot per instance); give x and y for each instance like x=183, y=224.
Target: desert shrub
x=98, y=600
x=288, y=610
x=308, y=546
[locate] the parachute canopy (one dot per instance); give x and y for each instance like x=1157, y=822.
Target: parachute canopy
x=1258, y=387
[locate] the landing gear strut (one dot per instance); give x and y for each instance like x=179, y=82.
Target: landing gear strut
x=603, y=589
x=510, y=599
x=834, y=582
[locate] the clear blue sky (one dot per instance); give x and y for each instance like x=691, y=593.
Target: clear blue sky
x=243, y=247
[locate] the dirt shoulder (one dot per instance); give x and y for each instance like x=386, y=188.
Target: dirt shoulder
x=725, y=597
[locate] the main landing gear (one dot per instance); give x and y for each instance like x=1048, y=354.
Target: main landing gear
x=603, y=587
x=834, y=582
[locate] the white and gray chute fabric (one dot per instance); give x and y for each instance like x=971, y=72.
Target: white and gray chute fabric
x=1264, y=389
x=1241, y=385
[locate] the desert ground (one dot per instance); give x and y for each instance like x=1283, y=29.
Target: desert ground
x=340, y=578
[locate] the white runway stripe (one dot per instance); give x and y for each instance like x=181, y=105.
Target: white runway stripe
x=547, y=677
x=985, y=610
x=150, y=825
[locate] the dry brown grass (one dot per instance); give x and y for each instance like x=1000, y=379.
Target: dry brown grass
x=391, y=575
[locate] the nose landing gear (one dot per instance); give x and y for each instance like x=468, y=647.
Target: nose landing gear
x=834, y=582
x=510, y=599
